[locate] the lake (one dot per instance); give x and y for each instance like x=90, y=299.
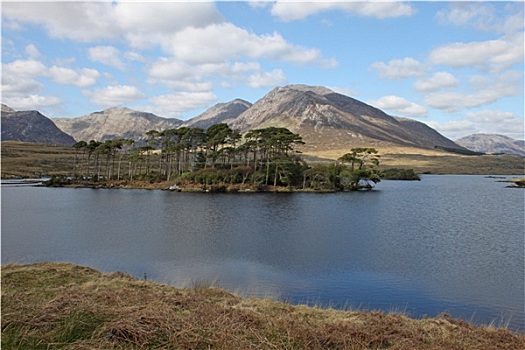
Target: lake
x=450, y=244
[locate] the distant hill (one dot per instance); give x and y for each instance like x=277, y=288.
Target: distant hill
x=492, y=143
x=114, y=123
x=31, y=126
x=328, y=120
x=218, y=114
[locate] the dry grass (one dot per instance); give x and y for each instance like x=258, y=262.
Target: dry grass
x=436, y=161
x=30, y=160
x=63, y=306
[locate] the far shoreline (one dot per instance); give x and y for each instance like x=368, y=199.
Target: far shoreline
x=170, y=186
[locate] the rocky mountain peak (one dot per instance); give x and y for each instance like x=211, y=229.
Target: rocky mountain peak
x=319, y=90
x=31, y=126
x=6, y=108
x=220, y=113
x=329, y=120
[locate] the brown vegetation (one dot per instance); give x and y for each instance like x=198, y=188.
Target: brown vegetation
x=33, y=160
x=435, y=161
x=29, y=160
x=63, y=306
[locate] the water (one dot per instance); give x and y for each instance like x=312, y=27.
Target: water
x=450, y=244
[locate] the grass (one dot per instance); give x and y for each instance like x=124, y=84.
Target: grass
x=64, y=306
x=33, y=160
x=436, y=161
x=29, y=160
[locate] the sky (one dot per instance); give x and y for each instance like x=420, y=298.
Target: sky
x=456, y=66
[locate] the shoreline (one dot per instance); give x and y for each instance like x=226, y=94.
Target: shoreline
x=514, y=182
x=52, y=303
x=187, y=187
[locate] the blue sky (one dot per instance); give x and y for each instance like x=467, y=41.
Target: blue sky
x=459, y=67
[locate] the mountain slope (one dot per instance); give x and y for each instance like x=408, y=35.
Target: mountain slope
x=328, y=120
x=218, y=114
x=31, y=126
x=492, y=143
x=114, y=123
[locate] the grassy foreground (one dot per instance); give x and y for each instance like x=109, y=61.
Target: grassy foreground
x=64, y=306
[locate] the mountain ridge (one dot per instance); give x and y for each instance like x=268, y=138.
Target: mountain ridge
x=31, y=126
x=114, y=122
x=325, y=119
x=492, y=143
x=318, y=113
x=218, y=114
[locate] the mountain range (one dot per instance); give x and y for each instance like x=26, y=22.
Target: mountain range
x=493, y=144
x=325, y=119
x=114, y=123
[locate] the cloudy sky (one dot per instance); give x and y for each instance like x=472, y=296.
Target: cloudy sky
x=459, y=67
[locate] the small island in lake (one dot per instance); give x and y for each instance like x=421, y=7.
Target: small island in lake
x=220, y=159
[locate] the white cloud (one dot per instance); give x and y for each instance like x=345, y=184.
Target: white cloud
x=448, y=101
x=32, y=51
x=491, y=116
x=134, y=56
x=486, y=90
x=478, y=15
x=181, y=102
x=24, y=68
x=498, y=122
x=259, y=4
x=183, y=76
x=295, y=10
x=140, y=23
x=82, y=77
x=492, y=55
x=454, y=129
x=190, y=86
x=166, y=69
x=14, y=86
x=398, y=69
x=485, y=121
x=108, y=55
x=436, y=82
x=31, y=102
x=116, y=95
x=200, y=44
x=18, y=78
x=483, y=16
x=267, y=79
x=218, y=43
x=401, y=106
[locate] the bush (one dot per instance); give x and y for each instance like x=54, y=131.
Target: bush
x=400, y=174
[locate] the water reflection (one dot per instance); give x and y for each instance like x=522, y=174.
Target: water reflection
x=445, y=243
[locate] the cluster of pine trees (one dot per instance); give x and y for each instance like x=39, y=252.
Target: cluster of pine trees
x=222, y=156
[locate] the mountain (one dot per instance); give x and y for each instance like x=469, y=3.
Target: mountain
x=218, y=114
x=492, y=143
x=113, y=123
x=329, y=121
x=326, y=120
x=31, y=126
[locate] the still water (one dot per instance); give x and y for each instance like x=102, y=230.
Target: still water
x=450, y=244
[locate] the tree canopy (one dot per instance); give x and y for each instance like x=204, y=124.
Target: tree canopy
x=222, y=156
